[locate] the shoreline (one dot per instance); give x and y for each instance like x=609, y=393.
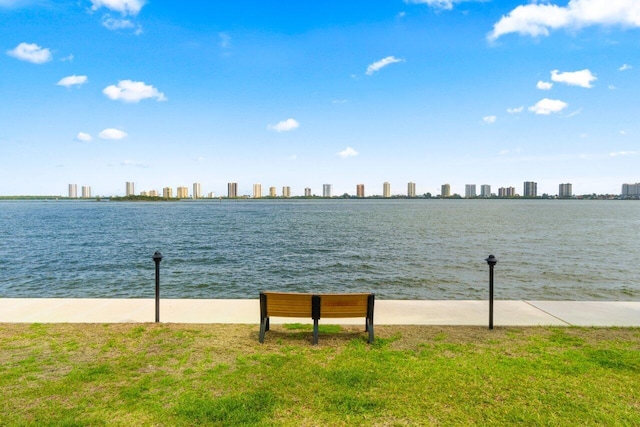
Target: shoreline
x=387, y=312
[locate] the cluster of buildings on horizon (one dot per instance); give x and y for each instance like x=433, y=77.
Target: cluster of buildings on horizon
x=530, y=190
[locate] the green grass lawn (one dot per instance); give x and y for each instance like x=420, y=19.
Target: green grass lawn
x=175, y=374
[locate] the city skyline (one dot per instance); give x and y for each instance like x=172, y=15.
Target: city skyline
x=491, y=92
x=565, y=190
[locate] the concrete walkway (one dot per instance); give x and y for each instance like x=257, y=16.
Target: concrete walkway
x=387, y=312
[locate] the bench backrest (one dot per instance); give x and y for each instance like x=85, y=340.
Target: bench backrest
x=343, y=305
x=290, y=304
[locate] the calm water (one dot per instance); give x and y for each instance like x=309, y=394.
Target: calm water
x=404, y=249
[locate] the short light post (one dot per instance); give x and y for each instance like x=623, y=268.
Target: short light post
x=491, y=260
x=157, y=257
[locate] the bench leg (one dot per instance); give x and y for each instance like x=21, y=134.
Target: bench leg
x=264, y=327
x=315, y=331
x=370, y=330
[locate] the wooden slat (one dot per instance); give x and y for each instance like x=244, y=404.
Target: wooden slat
x=288, y=304
x=343, y=305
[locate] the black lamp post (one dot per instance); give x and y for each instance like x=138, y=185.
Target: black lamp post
x=157, y=257
x=491, y=260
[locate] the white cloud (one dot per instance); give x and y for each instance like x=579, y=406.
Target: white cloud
x=130, y=91
x=582, y=78
x=436, y=4
x=125, y=7
x=134, y=164
x=544, y=85
x=611, y=87
x=538, y=19
x=623, y=153
x=72, y=81
x=515, y=110
x=339, y=101
x=68, y=58
x=84, y=137
x=625, y=67
x=575, y=113
x=381, y=64
x=489, y=119
x=284, y=126
x=31, y=52
x=347, y=152
x=623, y=132
x=114, y=24
x=292, y=157
x=112, y=134
x=547, y=106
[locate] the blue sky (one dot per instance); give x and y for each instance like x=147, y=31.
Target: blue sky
x=163, y=93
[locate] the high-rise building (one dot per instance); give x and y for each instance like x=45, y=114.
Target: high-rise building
x=232, y=190
x=506, y=192
x=257, y=191
x=183, y=193
x=360, y=190
x=326, y=190
x=286, y=191
x=631, y=190
x=307, y=192
x=445, y=190
x=153, y=193
x=470, y=191
x=86, y=192
x=130, y=190
x=272, y=192
x=485, y=190
x=530, y=189
x=167, y=193
x=565, y=191
x=197, y=190
x=386, y=189
x=411, y=189
x=73, y=191
x=210, y=195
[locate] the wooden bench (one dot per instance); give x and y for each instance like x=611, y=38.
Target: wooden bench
x=315, y=306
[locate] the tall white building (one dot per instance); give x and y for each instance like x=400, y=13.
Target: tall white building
x=232, y=190
x=485, y=190
x=307, y=192
x=326, y=190
x=411, y=189
x=86, y=192
x=565, y=190
x=272, y=192
x=530, y=189
x=631, y=190
x=257, y=191
x=386, y=189
x=73, y=191
x=286, y=191
x=130, y=190
x=445, y=190
x=197, y=190
x=470, y=191
x=167, y=193
x=183, y=193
